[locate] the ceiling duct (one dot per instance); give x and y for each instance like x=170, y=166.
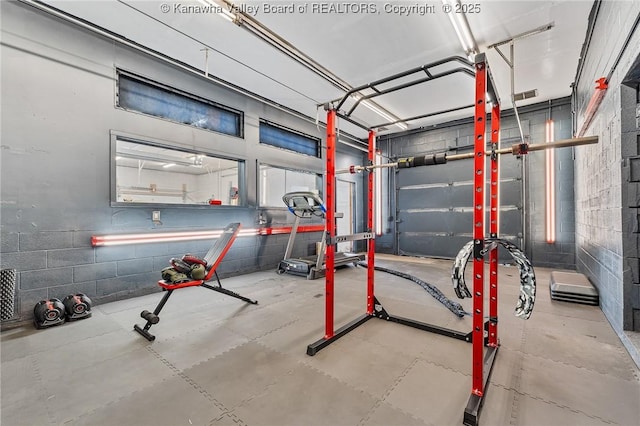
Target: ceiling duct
x=525, y=95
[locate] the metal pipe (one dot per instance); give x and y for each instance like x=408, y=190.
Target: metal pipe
x=358, y=169
x=516, y=149
x=520, y=149
x=418, y=117
x=513, y=91
x=407, y=85
x=525, y=34
x=400, y=75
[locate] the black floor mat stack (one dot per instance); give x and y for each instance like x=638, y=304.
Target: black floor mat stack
x=572, y=287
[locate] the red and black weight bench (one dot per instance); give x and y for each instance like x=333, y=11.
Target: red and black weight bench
x=213, y=257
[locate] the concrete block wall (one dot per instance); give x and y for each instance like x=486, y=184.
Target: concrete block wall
x=601, y=230
x=606, y=231
x=560, y=254
x=58, y=104
x=630, y=207
x=598, y=211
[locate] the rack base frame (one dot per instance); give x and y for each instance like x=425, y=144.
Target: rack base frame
x=474, y=405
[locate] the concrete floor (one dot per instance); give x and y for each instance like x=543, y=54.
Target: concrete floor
x=220, y=361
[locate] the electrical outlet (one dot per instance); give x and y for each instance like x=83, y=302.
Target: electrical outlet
x=156, y=216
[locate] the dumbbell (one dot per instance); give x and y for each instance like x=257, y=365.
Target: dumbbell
x=77, y=306
x=150, y=317
x=48, y=313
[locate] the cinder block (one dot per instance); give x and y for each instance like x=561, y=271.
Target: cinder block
x=628, y=108
x=633, y=264
x=190, y=246
x=111, y=254
x=635, y=296
x=245, y=242
x=24, y=261
x=96, y=271
x=46, y=240
x=629, y=221
x=631, y=247
x=82, y=238
x=70, y=257
x=150, y=250
x=629, y=144
x=31, y=280
x=246, y=252
x=634, y=173
x=27, y=301
x=87, y=288
x=9, y=242
x=126, y=284
x=636, y=319
x=632, y=195
x=134, y=266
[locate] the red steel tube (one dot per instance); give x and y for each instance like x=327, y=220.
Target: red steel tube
x=371, y=243
x=494, y=218
x=330, y=222
x=478, y=230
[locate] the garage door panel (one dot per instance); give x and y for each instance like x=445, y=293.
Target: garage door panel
x=434, y=207
x=510, y=222
x=457, y=222
x=510, y=192
x=435, y=197
x=418, y=244
x=446, y=222
x=446, y=173
x=424, y=198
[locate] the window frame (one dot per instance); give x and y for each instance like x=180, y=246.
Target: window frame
x=318, y=140
x=113, y=191
x=178, y=92
x=318, y=175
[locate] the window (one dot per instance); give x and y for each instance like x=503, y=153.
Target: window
x=153, y=174
x=276, y=181
x=291, y=140
x=137, y=94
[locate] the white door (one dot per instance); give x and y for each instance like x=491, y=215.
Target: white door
x=345, y=204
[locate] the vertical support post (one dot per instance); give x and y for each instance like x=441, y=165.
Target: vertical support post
x=477, y=386
x=330, y=222
x=371, y=243
x=494, y=227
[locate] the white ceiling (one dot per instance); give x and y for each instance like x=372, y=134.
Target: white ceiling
x=360, y=48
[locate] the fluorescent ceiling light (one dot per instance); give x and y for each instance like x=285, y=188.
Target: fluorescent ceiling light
x=166, y=166
x=383, y=114
x=461, y=26
x=228, y=15
x=224, y=10
x=387, y=116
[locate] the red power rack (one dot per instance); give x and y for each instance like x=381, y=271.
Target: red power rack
x=484, y=335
